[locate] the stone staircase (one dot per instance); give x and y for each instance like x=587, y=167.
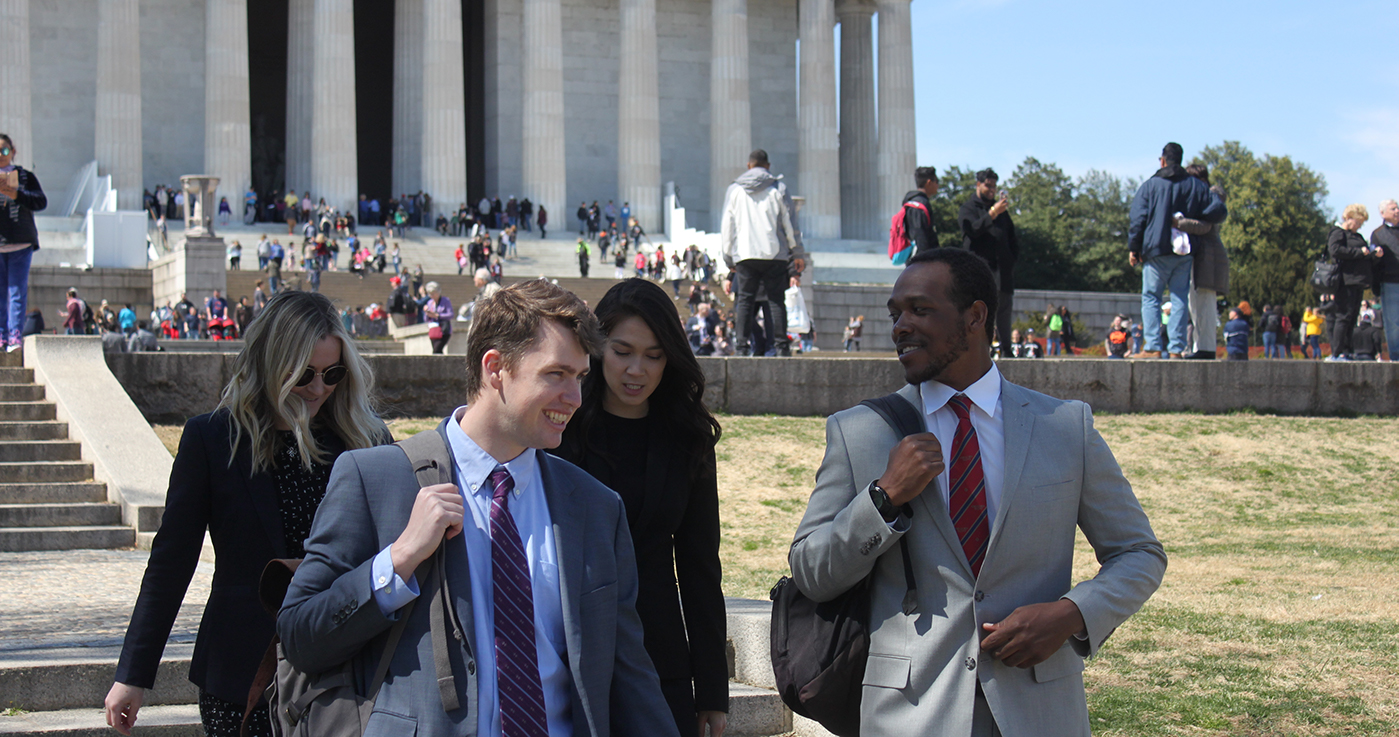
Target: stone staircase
x=48, y=500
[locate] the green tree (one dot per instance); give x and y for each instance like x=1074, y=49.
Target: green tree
x=1100, y=221
x=1277, y=224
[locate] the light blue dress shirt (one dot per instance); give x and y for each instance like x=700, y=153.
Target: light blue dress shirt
x=531, y=512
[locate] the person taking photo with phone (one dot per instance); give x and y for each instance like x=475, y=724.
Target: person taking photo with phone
x=988, y=232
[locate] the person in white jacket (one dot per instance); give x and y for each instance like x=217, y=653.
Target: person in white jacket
x=762, y=249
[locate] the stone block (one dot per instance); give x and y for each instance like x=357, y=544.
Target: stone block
x=792, y=386
x=1105, y=385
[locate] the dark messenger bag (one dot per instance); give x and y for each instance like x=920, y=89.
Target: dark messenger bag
x=819, y=649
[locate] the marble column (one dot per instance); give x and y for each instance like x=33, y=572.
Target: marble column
x=898, y=154
x=300, y=66
x=444, y=105
x=16, y=115
x=861, y=210
x=118, y=131
x=730, y=109
x=334, y=152
x=228, y=145
x=639, y=115
x=408, y=72
x=818, y=138
x=544, y=172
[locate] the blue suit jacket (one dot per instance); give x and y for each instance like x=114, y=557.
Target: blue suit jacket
x=329, y=615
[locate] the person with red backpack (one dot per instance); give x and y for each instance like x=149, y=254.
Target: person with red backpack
x=911, y=229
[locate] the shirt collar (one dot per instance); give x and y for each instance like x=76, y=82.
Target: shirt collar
x=985, y=393
x=476, y=465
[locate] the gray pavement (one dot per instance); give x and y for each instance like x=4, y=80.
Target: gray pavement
x=82, y=598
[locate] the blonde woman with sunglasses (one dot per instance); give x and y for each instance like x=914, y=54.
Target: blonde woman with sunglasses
x=252, y=473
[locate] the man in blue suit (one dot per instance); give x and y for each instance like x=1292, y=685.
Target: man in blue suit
x=537, y=553
x=1149, y=244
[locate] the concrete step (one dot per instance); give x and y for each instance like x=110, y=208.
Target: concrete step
x=18, y=472
x=54, y=679
x=180, y=720
x=30, y=411
x=42, y=430
x=37, y=451
x=60, y=515
x=15, y=374
x=756, y=712
x=21, y=393
x=12, y=359
x=53, y=493
x=16, y=539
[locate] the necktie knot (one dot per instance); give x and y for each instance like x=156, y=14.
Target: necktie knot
x=961, y=405
x=501, y=484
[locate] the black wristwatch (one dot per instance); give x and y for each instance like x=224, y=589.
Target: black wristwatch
x=882, y=503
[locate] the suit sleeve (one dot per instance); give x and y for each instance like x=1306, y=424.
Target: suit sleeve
x=1131, y=559
x=841, y=536
x=698, y=573
x=174, y=556
x=635, y=704
x=330, y=613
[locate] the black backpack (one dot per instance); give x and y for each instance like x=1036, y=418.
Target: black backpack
x=819, y=650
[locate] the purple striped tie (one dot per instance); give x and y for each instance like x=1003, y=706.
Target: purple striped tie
x=522, y=711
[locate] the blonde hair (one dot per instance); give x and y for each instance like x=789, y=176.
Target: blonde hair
x=279, y=345
x=1356, y=212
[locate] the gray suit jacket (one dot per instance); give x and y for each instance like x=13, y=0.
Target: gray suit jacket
x=329, y=615
x=923, y=668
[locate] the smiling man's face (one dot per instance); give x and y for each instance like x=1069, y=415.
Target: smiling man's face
x=930, y=334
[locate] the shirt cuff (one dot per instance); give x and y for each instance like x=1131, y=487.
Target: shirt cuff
x=391, y=592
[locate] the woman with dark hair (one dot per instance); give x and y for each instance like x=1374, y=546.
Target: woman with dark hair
x=252, y=473
x=644, y=431
x=20, y=197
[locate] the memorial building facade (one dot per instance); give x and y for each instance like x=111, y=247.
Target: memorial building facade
x=560, y=101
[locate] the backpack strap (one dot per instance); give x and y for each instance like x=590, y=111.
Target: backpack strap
x=900, y=415
x=432, y=464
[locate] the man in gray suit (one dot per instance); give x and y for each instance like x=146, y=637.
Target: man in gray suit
x=538, y=555
x=995, y=638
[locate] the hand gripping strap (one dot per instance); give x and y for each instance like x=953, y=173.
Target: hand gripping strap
x=905, y=420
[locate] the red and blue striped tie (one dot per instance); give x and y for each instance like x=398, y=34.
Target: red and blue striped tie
x=967, y=498
x=522, y=712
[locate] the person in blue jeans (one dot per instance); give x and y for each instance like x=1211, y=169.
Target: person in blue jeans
x=1385, y=239
x=1169, y=191
x=20, y=197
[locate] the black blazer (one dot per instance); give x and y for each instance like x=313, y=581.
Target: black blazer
x=240, y=510
x=675, y=532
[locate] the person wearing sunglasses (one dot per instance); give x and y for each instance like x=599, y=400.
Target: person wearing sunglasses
x=20, y=197
x=252, y=473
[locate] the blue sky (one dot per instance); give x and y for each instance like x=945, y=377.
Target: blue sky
x=1103, y=85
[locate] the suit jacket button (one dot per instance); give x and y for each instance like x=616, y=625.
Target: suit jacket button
x=471, y=667
x=971, y=663
x=980, y=595
x=874, y=541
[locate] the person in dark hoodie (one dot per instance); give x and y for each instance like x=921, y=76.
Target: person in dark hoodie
x=762, y=249
x=20, y=197
x=918, y=224
x=1149, y=244
x=988, y=232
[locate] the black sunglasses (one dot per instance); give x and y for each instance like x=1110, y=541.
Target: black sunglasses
x=331, y=376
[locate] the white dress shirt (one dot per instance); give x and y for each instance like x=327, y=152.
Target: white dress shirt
x=987, y=419
x=531, y=512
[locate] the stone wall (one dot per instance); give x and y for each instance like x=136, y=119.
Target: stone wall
x=172, y=387
x=48, y=289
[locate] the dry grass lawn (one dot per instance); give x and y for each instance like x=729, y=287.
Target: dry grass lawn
x=1278, y=615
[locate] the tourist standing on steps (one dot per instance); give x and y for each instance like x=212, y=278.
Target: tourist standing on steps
x=542, y=220
x=762, y=249
x=583, y=251
x=642, y=430
x=20, y=197
x=438, y=311
x=1355, y=259
x=988, y=232
x=1386, y=240
x=1209, y=274
x=252, y=473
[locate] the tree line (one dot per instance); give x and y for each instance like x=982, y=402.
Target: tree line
x=1073, y=232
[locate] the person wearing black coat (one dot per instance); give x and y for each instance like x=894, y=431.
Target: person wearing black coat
x=918, y=223
x=252, y=473
x=643, y=431
x=1347, y=247
x=988, y=232
x=20, y=197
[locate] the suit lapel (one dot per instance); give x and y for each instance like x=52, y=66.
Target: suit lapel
x=564, y=505
x=931, y=498
x=1017, y=425
x=262, y=492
